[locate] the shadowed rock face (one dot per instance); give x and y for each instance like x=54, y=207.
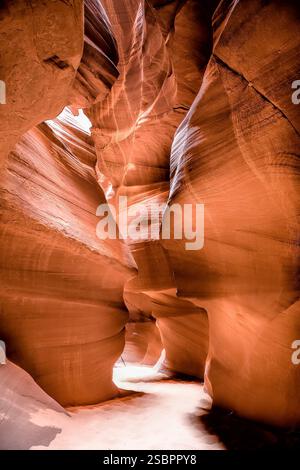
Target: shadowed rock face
x=41, y=47
x=23, y=405
x=236, y=151
x=62, y=310
x=190, y=102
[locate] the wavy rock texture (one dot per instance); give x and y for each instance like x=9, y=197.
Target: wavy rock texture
x=236, y=151
x=133, y=130
x=62, y=310
x=41, y=47
x=22, y=405
x=142, y=343
x=190, y=102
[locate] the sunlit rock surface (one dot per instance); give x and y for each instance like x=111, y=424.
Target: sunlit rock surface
x=27, y=414
x=237, y=152
x=143, y=343
x=133, y=130
x=189, y=102
x=41, y=47
x=62, y=311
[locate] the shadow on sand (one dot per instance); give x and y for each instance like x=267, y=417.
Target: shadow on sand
x=241, y=434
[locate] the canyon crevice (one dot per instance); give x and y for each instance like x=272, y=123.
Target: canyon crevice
x=164, y=102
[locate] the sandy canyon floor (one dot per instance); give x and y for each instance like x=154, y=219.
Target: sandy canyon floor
x=153, y=412
x=157, y=414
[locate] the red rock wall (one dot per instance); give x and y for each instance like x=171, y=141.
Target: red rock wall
x=41, y=47
x=62, y=313
x=236, y=152
x=133, y=129
x=190, y=102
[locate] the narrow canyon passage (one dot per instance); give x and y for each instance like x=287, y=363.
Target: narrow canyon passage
x=155, y=415
x=149, y=202
x=154, y=412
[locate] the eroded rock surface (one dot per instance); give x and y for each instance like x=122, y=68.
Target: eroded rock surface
x=62, y=310
x=23, y=409
x=189, y=102
x=41, y=47
x=237, y=152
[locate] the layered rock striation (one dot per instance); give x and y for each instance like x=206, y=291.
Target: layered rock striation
x=189, y=103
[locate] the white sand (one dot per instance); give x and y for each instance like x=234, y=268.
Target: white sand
x=160, y=413
x=157, y=416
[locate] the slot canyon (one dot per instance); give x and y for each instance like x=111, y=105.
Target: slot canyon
x=122, y=342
